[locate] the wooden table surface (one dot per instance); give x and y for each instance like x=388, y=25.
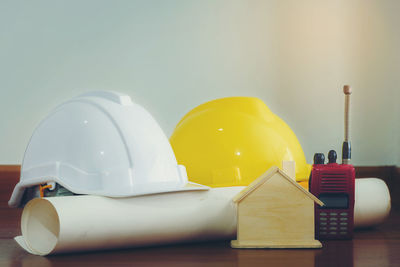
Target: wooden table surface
x=376, y=247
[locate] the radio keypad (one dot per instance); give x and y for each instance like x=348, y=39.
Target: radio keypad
x=333, y=223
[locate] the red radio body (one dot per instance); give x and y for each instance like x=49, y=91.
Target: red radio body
x=333, y=184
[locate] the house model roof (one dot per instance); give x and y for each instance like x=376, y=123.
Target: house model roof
x=265, y=177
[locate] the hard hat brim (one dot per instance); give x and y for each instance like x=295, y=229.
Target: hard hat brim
x=19, y=190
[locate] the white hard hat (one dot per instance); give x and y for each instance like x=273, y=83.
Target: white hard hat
x=101, y=143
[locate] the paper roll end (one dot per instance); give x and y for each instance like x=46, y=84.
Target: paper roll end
x=40, y=227
x=372, y=202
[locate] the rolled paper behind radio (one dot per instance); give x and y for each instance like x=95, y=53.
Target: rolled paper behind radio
x=372, y=202
x=78, y=223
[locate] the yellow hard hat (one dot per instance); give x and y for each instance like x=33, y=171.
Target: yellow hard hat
x=232, y=141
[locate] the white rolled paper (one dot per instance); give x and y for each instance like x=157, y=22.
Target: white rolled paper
x=372, y=202
x=78, y=223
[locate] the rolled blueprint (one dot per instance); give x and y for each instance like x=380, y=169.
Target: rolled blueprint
x=372, y=202
x=79, y=223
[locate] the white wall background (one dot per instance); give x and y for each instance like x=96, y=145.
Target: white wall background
x=171, y=56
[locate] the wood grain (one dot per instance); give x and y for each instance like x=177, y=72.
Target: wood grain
x=275, y=212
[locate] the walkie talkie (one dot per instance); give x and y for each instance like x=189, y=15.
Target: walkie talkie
x=333, y=184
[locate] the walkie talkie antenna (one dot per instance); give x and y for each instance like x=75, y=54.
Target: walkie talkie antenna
x=346, y=148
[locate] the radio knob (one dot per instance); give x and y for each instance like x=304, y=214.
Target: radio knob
x=332, y=156
x=319, y=158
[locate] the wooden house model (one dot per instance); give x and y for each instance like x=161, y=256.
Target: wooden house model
x=274, y=211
